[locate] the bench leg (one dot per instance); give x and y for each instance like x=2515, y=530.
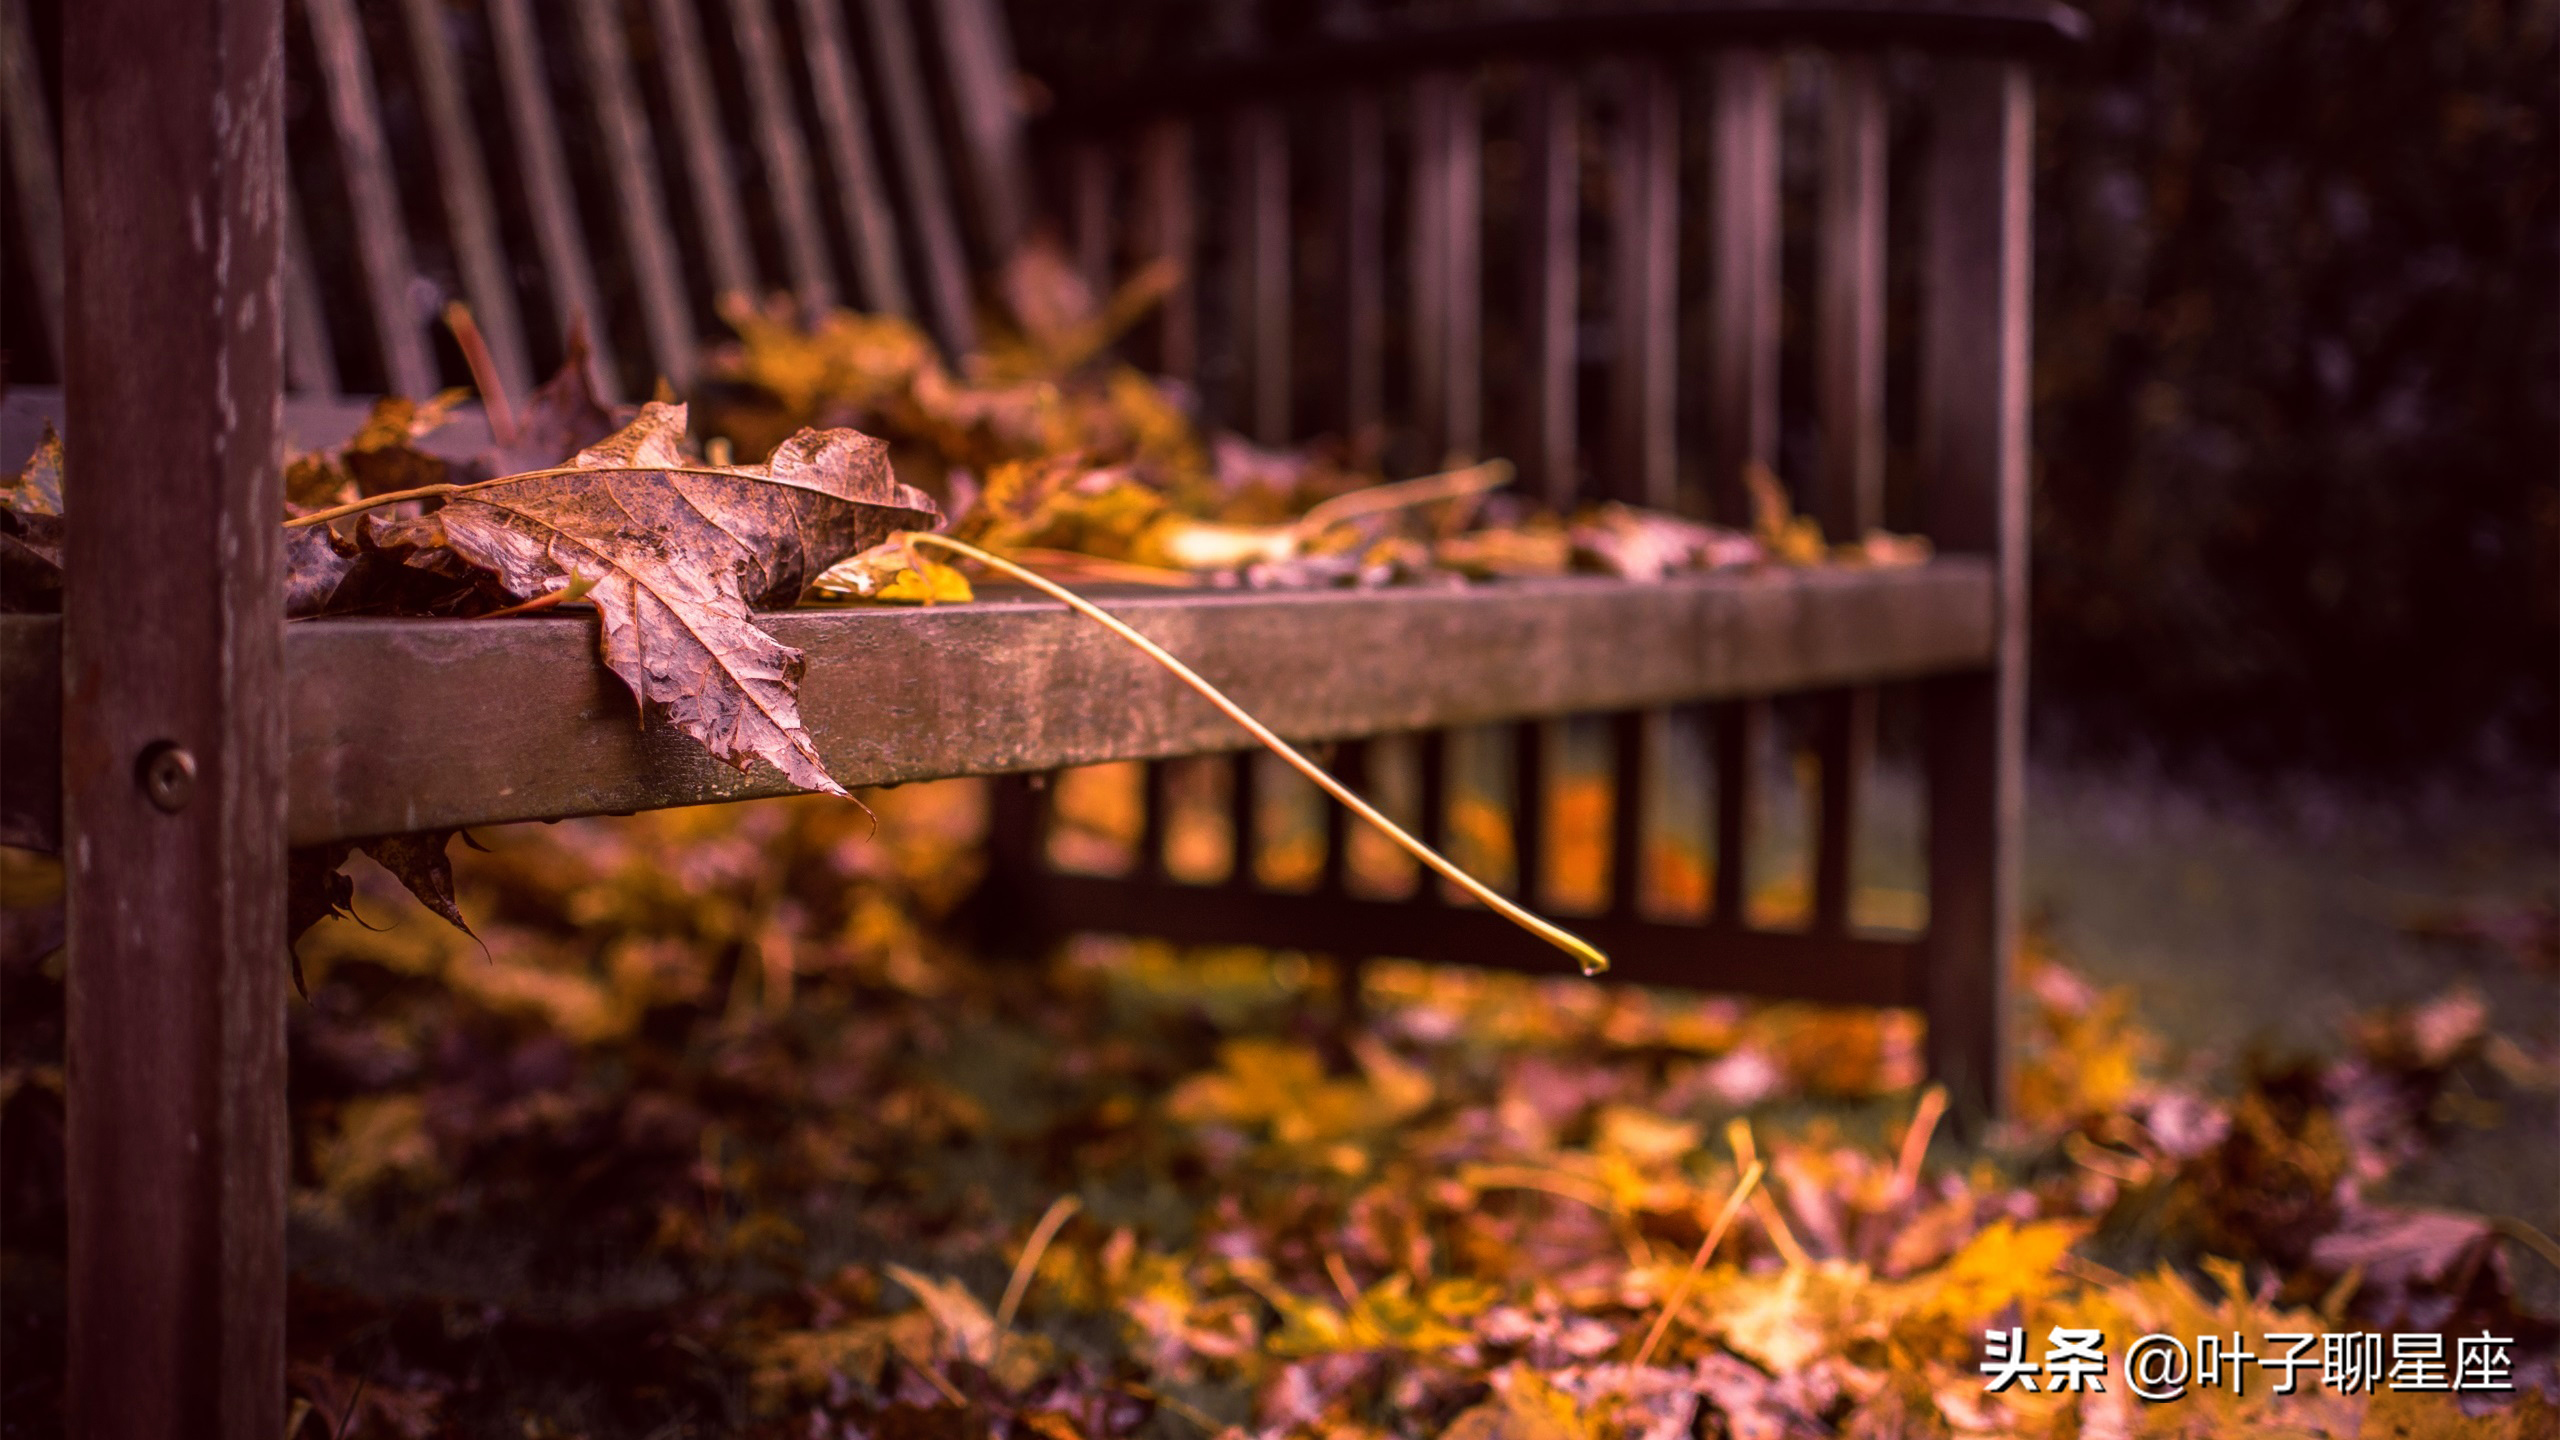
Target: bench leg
x=173, y=731
x=1975, y=799
x=1973, y=426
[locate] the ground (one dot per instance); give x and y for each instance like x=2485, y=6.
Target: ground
x=726, y=1131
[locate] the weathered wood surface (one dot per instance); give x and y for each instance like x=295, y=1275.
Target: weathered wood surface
x=1973, y=455
x=403, y=724
x=172, y=760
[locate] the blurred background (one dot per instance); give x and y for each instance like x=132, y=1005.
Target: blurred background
x=2297, y=424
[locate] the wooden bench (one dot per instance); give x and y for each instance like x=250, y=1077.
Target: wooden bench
x=1331, y=201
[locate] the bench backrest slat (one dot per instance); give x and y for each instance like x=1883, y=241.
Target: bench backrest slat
x=706, y=151
x=310, y=356
x=1447, y=265
x=462, y=176
x=640, y=202
x=897, y=69
x=1553, y=262
x=1742, y=365
x=978, y=56
x=1260, y=210
x=1849, y=338
x=31, y=164
x=786, y=154
x=1166, y=217
x=868, y=220
x=1362, y=239
x=373, y=197
x=552, y=205
x=1644, y=165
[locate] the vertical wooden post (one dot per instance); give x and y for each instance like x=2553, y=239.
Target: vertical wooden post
x=1166, y=219
x=979, y=53
x=1529, y=742
x=1645, y=262
x=1445, y=247
x=1244, y=817
x=1362, y=200
x=1089, y=212
x=1261, y=248
x=1009, y=915
x=1553, y=143
x=1155, y=807
x=1630, y=732
x=1742, y=383
x=1742, y=408
x=1849, y=419
x=173, y=731
x=1974, y=467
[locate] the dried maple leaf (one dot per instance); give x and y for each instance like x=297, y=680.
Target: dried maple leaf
x=678, y=554
x=327, y=575
x=1635, y=544
x=384, y=456
x=37, y=490
x=317, y=888
x=565, y=416
x=31, y=531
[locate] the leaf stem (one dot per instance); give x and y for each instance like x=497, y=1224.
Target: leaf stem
x=429, y=492
x=1742, y=1190
x=1372, y=499
x=1589, y=956
x=484, y=371
x=1060, y=1211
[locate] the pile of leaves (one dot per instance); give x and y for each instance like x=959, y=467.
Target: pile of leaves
x=1049, y=448
x=732, y=1129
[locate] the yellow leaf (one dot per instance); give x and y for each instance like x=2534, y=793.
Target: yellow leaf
x=2007, y=1264
x=2408, y=1415
x=971, y=1328
x=1523, y=1407
x=1644, y=1137
x=379, y=1139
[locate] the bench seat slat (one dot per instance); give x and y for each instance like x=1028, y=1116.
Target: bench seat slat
x=403, y=724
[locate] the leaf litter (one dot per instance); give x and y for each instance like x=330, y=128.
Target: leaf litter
x=733, y=1129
